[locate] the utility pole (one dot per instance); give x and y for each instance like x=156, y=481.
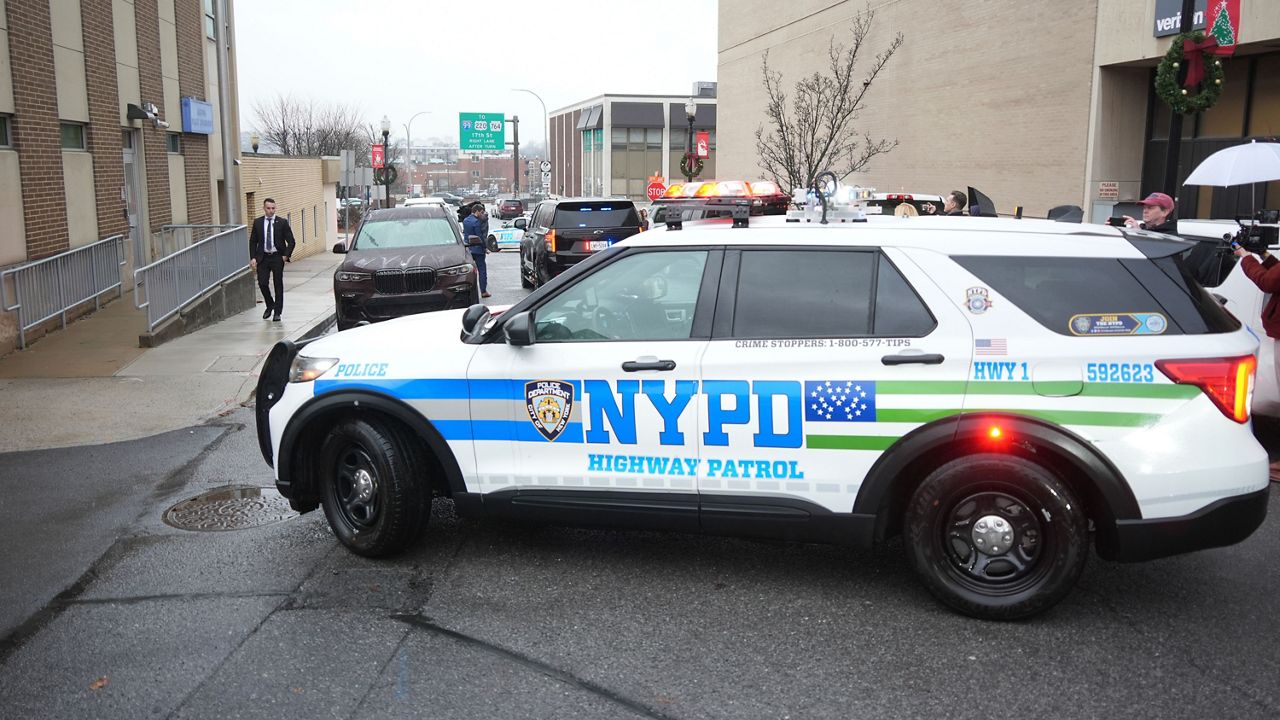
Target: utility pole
x=1175, y=123
x=515, y=125
x=230, y=138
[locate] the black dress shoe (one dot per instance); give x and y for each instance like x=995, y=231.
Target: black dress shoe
x=276, y=319
x=266, y=313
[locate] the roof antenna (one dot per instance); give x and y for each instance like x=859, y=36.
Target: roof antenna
x=817, y=188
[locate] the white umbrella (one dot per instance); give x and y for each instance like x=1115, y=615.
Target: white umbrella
x=1253, y=162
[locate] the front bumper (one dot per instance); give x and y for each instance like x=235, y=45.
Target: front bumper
x=355, y=306
x=1225, y=522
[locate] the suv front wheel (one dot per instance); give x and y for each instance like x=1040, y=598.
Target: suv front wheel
x=996, y=537
x=374, y=502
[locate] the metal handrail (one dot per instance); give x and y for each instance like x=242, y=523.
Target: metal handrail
x=172, y=238
x=51, y=286
x=170, y=283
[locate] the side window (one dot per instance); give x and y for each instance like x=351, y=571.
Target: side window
x=899, y=311
x=1101, y=296
x=643, y=296
x=804, y=293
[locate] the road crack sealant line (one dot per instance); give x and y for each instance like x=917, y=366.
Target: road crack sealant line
x=422, y=622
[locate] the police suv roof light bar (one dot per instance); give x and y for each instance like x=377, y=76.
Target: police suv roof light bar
x=739, y=207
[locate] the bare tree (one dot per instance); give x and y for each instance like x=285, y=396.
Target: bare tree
x=816, y=132
x=302, y=127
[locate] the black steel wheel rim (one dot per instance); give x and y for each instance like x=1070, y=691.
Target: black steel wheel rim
x=357, y=488
x=1009, y=571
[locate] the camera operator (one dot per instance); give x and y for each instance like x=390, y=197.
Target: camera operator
x=1157, y=214
x=1266, y=275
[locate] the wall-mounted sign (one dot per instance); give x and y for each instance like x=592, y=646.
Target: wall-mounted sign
x=197, y=116
x=1225, y=30
x=1108, y=190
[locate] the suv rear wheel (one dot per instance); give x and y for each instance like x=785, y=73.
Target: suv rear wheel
x=996, y=537
x=374, y=503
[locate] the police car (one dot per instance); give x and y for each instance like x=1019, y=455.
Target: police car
x=1002, y=393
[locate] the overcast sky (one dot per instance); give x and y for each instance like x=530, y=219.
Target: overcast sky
x=401, y=57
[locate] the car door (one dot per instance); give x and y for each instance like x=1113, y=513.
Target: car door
x=821, y=359
x=602, y=404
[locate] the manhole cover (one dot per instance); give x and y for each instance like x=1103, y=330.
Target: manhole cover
x=234, y=507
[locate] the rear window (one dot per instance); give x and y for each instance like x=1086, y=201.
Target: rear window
x=1099, y=297
x=596, y=215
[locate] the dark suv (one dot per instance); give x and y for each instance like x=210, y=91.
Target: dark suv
x=564, y=232
x=510, y=208
x=403, y=261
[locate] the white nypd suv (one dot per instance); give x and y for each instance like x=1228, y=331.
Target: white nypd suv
x=1003, y=393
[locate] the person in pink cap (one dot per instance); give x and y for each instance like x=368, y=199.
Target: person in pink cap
x=1157, y=214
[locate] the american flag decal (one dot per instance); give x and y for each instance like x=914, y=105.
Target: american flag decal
x=991, y=346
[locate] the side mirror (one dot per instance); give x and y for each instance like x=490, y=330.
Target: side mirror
x=472, y=317
x=340, y=248
x=519, y=329
x=520, y=224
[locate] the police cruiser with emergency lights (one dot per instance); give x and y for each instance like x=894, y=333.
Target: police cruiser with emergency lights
x=1003, y=393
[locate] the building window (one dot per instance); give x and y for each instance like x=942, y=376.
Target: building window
x=72, y=136
x=4, y=131
x=174, y=141
x=209, y=26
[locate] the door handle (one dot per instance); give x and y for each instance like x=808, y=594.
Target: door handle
x=913, y=359
x=647, y=364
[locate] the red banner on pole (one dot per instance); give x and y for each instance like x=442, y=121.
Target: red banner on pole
x=703, y=144
x=377, y=157
x=1222, y=23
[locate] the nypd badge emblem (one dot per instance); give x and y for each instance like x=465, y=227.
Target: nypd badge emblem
x=550, y=405
x=977, y=300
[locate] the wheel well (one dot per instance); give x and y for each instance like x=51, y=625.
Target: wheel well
x=1096, y=506
x=306, y=450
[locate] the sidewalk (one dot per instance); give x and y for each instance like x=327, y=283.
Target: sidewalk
x=91, y=383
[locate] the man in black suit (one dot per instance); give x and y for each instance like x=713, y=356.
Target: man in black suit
x=270, y=247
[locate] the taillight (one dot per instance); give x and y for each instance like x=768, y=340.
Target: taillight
x=551, y=241
x=1227, y=381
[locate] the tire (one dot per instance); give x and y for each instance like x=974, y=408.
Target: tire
x=544, y=275
x=1038, y=525
x=372, y=489
x=493, y=244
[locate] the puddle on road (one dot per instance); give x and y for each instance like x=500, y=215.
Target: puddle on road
x=234, y=507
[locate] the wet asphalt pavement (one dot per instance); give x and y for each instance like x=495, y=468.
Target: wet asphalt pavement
x=110, y=613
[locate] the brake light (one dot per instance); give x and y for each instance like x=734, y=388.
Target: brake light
x=551, y=241
x=1227, y=381
x=899, y=197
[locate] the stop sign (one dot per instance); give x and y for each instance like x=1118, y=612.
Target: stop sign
x=655, y=190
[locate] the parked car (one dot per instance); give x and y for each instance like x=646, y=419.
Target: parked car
x=508, y=236
x=403, y=261
x=1007, y=395
x=510, y=208
x=562, y=233
x=451, y=198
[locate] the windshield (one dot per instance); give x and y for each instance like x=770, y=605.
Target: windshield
x=596, y=215
x=406, y=232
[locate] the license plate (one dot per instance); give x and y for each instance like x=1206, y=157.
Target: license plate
x=597, y=245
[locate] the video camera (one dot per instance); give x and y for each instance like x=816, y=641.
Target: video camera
x=1257, y=233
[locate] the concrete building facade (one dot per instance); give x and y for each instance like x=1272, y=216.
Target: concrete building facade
x=75, y=167
x=610, y=145
x=1037, y=103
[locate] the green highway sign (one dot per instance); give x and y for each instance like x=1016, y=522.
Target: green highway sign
x=482, y=131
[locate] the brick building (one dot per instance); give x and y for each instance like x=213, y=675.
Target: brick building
x=305, y=191
x=1036, y=103
x=75, y=167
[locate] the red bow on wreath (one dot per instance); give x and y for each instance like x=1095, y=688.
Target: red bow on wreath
x=1193, y=53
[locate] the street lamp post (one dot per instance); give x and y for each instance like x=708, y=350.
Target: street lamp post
x=408, y=146
x=690, y=112
x=546, y=137
x=386, y=176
